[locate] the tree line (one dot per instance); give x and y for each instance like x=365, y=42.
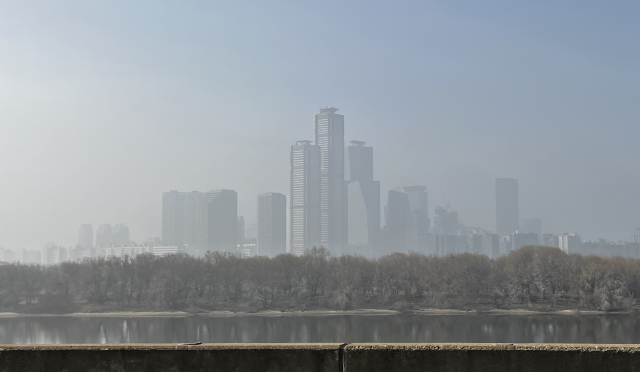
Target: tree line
x=531, y=277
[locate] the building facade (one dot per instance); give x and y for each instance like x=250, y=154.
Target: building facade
x=272, y=220
x=85, y=235
x=304, y=199
x=399, y=227
x=108, y=235
x=217, y=222
x=179, y=210
x=363, y=200
x=507, y=207
x=570, y=243
x=329, y=137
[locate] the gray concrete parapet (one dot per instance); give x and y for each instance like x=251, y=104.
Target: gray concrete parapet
x=491, y=358
x=321, y=358
x=171, y=358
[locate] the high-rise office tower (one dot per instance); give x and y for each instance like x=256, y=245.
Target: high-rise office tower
x=120, y=235
x=85, y=238
x=507, y=214
x=172, y=218
x=272, y=229
x=399, y=226
x=420, y=211
x=445, y=221
x=305, y=197
x=359, y=162
x=329, y=129
x=217, y=222
x=179, y=218
x=103, y=236
x=363, y=199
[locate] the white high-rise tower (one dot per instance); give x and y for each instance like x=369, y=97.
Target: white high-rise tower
x=329, y=128
x=304, y=202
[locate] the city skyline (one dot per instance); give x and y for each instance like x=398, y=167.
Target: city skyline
x=198, y=222
x=104, y=110
x=182, y=216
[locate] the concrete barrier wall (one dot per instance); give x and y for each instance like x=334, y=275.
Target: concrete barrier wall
x=321, y=358
x=491, y=357
x=172, y=358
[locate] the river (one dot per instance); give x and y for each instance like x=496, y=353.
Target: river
x=612, y=329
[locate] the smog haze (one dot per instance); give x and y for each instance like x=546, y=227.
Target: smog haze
x=106, y=105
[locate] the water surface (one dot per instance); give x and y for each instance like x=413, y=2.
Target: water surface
x=617, y=329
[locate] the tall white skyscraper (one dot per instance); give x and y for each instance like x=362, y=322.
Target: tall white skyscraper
x=329, y=130
x=305, y=197
x=272, y=218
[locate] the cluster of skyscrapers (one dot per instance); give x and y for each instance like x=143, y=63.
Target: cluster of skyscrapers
x=333, y=202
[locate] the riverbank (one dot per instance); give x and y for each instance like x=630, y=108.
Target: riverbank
x=313, y=313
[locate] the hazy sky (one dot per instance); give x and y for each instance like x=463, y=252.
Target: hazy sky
x=106, y=104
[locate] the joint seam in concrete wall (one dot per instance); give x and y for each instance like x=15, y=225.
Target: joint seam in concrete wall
x=341, y=365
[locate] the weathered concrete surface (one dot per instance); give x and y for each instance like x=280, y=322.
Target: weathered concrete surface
x=171, y=358
x=321, y=358
x=491, y=357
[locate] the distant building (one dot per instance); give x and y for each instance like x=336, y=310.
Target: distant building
x=7, y=255
x=179, y=211
x=445, y=221
x=363, y=199
x=418, y=202
x=531, y=225
x=329, y=133
x=54, y=255
x=570, y=243
x=103, y=235
x=519, y=240
x=85, y=238
x=160, y=251
x=399, y=224
x=250, y=247
x=305, y=197
x=486, y=244
x=272, y=229
x=550, y=240
x=609, y=249
x=504, y=245
x=288, y=226
x=241, y=236
x=32, y=257
x=217, y=222
x=507, y=210
x=407, y=220
x=445, y=244
x=108, y=235
x=636, y=236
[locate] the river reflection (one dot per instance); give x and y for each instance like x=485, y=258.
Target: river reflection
x=342, y=328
